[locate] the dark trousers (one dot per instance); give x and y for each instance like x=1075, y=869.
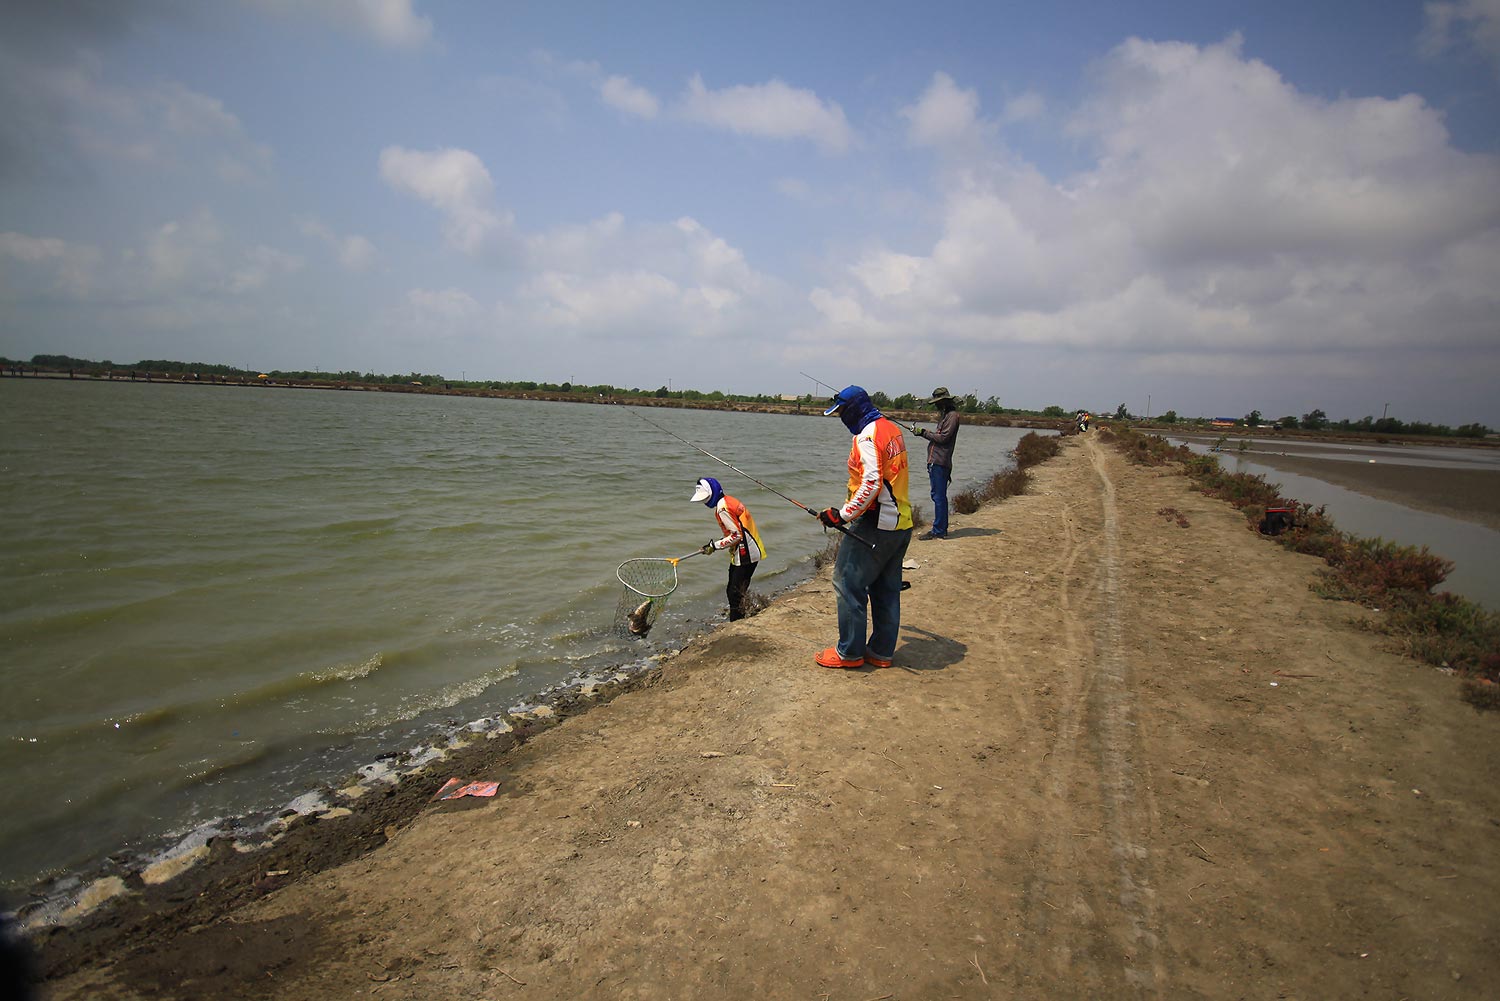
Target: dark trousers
x=739, y=583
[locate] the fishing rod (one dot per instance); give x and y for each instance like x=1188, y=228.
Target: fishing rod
x=910, y=427
x=737, y=469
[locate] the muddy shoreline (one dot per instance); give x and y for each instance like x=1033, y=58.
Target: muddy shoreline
x=1471, y=495
x=73, y=918
x=134, y=904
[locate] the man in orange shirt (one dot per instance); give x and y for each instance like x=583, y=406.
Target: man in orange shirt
x=878, y=510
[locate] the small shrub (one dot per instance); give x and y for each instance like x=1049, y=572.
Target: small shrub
x=1481, y=693
x=755, y=603
x=1034, y=448
x=1172, y=514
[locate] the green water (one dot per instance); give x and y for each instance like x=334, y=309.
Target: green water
x=213, y=599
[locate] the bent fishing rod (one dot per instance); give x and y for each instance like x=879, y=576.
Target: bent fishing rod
x=737, y=469
x=910, y=427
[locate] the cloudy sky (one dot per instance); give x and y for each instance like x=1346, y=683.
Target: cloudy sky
x=1211, y=206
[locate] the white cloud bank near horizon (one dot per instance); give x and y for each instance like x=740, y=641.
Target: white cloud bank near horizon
x=1216, y=236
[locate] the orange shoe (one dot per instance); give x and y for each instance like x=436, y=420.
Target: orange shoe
x=874, y=661
x=831, y=658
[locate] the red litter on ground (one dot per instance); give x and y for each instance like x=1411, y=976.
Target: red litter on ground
x=454, y=788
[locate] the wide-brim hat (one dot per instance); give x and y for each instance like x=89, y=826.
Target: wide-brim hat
x=941, y=393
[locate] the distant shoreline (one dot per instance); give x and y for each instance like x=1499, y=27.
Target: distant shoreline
x=1471, y=495
x=551, y=396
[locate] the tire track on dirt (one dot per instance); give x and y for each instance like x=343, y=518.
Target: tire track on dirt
x=1126, y=797
x=1092, y=932
x=1065, y=782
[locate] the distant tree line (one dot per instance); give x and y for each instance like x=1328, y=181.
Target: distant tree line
x=1317, y=420
x=969, y=403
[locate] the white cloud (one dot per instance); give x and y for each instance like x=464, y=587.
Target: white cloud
x=390, y=22
x=943, y=113
x=193, y=257
x=1024, y=108
x=1473, y=24
x=455, y=182
x=181, y=253
x=72, y=113
x=259, y=265
x=1225, y=160
x=47, y=265
x=885, y=274
x=354, y=252
x=794, y=187
x=840, y=310
x=1228, y=216
x=771, y=110
x=638, y=291
x=448, y=308
x=31, y=249
x=619, y=92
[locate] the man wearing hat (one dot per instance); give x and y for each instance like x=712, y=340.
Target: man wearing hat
x=940, y=459
x=867, y=570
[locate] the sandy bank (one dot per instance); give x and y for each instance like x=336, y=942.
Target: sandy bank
x=1115, y=757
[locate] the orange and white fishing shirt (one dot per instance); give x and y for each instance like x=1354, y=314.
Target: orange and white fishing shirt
x=878, y=476
x=739, y=531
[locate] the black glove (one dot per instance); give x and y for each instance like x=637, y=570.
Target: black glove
x=920, y=433
x=708, y=549
x=831, y=517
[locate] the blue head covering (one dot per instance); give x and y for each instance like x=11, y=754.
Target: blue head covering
x=854, y=408
x=715, y=492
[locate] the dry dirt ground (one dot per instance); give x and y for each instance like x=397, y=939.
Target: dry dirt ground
x=1116, y=758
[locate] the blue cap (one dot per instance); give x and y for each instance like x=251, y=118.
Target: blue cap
x=845, y=395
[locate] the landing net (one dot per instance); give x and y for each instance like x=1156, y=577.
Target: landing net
x=648, y=583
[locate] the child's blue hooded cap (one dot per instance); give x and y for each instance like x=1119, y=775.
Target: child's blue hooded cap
x=709, y=492
x=854, y=408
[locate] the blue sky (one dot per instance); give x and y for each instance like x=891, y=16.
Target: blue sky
x=1215, y=206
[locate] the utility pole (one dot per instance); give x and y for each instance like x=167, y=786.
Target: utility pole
x=1385, y=411
x=1148, y=406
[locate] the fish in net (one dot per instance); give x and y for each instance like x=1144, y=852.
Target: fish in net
x=648, y=583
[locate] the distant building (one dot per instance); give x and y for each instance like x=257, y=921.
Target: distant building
x=1221, y=422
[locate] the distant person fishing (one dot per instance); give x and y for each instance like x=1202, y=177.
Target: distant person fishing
x=940, y=444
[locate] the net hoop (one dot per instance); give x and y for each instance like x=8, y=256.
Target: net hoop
x=649, y=576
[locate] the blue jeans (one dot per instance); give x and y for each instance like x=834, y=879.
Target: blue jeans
x=940, y=476
x=869, y=577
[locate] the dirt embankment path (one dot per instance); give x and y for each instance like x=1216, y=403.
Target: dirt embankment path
x=1116, y=758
